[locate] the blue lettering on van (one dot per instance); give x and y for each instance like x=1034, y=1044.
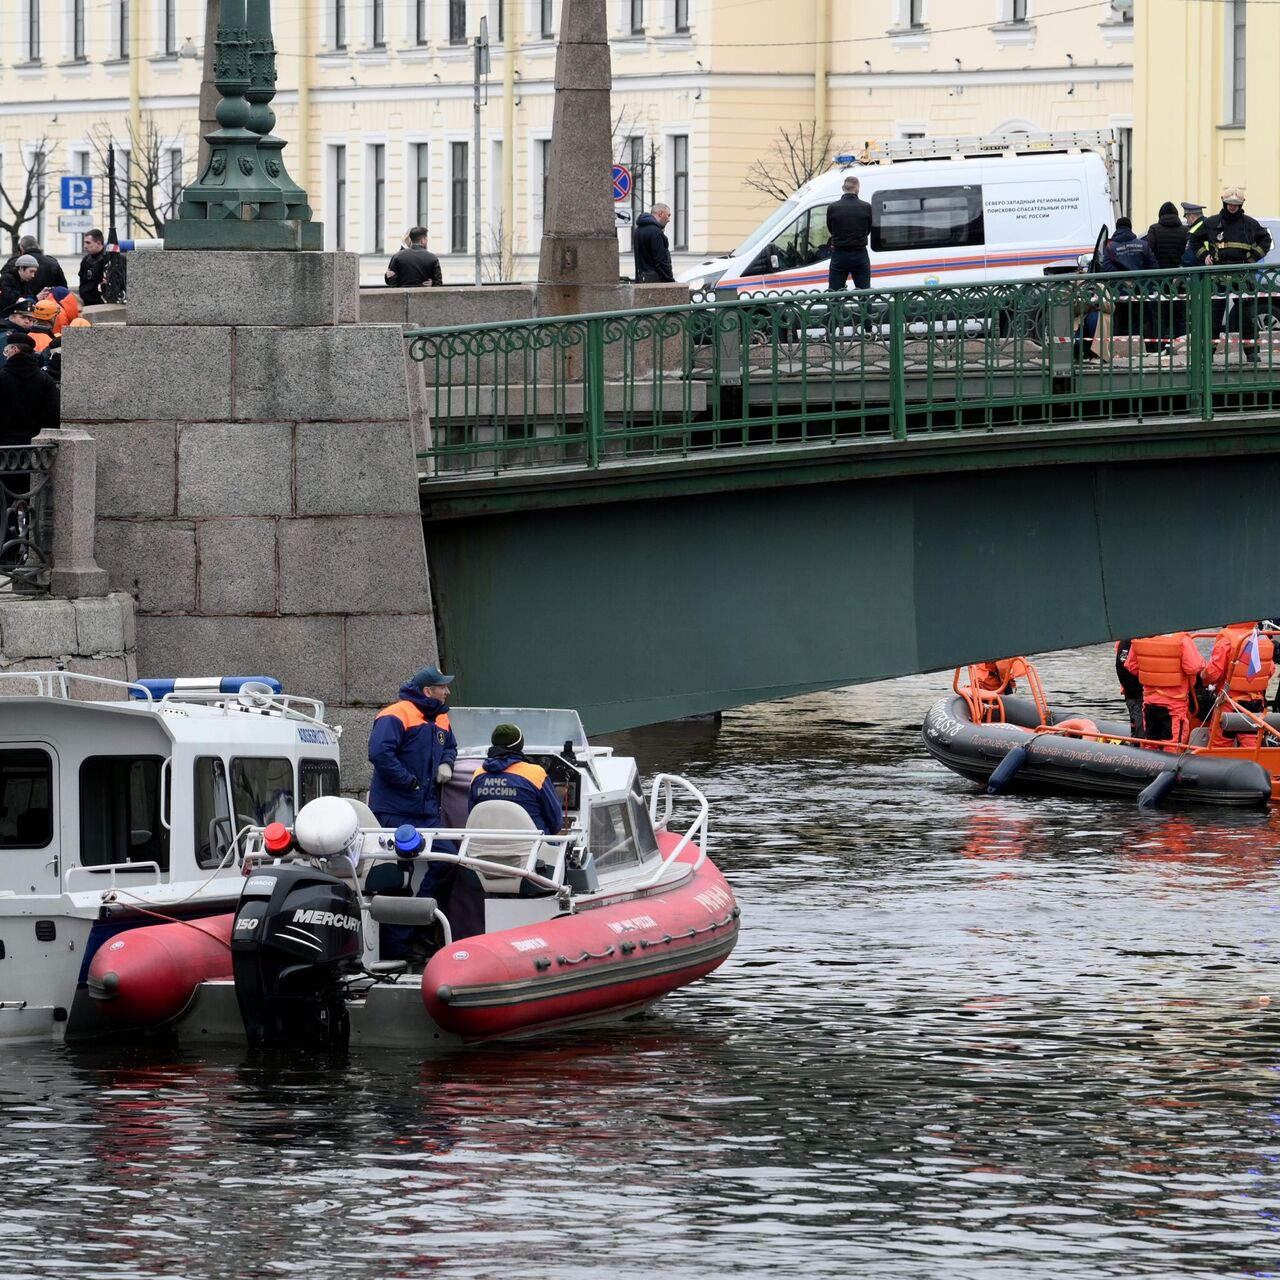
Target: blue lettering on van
x=322, y=736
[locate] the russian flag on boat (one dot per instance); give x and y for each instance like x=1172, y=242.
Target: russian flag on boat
x=1251, y=653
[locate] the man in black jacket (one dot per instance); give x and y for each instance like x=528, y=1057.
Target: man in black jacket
x=93, y=267
x=1167, y=237
x=49, y=270
x=849, y=225
x=649, y=244
x=1232, y=238
x=414, y=266
x=29, y=401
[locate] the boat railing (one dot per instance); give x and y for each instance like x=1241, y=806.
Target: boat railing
x=57, y=684
x=111, y=869
x=662, y=795
x=532, y=847
x=291, y=706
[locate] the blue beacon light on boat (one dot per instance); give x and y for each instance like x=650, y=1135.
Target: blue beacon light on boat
x=159, y=686
x=408, y=840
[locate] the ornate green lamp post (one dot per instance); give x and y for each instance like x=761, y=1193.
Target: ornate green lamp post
x=245, y=198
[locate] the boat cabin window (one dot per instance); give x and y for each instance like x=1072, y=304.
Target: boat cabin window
x=317, y=778
x=120, y=811
x=262, y=791
x=621, y=834
x=26, y=792
x=211, y=803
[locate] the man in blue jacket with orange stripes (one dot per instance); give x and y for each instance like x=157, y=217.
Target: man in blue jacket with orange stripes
x=507, y=775
x=412, y=750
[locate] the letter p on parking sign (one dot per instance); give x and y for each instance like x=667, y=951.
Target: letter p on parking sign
x=77, y=192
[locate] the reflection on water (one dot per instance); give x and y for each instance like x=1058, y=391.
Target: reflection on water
x=961, y=1036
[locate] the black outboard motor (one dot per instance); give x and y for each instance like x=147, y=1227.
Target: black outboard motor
x=296, y=931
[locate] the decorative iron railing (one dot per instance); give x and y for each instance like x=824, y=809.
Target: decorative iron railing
x=822, y=368
x=26, y=515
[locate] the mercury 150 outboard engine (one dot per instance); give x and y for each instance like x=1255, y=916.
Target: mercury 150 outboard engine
x=296, y=931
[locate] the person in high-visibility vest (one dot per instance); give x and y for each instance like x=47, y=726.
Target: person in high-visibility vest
x=1229, y=669
x=1167, y=666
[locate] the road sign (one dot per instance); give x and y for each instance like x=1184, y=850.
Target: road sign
x=77, y=192
x=621, y=183
x=622, y=217
x=75, y=223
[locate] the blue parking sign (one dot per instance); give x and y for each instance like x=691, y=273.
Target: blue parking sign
x=77, y=192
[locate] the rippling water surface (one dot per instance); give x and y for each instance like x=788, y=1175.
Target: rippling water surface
x=960, y=1037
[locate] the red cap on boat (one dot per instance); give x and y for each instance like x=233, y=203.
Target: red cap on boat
x=276, y=838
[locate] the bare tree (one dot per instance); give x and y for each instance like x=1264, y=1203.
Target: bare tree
x=798, y=154
x=22, y=201
x=150, y=184
x=498, y=263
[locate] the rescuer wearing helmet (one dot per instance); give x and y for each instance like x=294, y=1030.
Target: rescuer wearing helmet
x=1232, y=238
x=507, y=775
x=1167, y=666
x=1235, y=655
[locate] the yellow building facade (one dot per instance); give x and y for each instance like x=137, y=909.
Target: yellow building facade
x=375, y=98
x=1207, y=111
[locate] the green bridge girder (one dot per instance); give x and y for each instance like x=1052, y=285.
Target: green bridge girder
x=646, y=591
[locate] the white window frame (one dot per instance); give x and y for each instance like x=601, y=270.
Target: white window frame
x=368, y=142
x=669, y=134
x=370, y=10
x=410, y=40
x=492, y=194
x=446, y=246
x=412, y=141
x=537, y=213
x=1229, y=117
x=69, y=31
x=331, y=26
x=24, y=34
x=329, y=176
x=40, y=222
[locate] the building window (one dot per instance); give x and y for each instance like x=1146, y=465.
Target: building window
x=458, y=193
x=77, y=30
x=378, y=21
x=39, y=170
x=457, y=21
x=637, y=17
x=544, y=171
x=682, y=15
x=172, y=181
x=420, y=22
x=915, y=13
x=378, y=178
x=421, y=162
x=33, y=30
x=120, y=812
x=1124, y=167
x=1018, y=11
x=1237, y=60
x=122, y=30
x=170, y=27
x=680, y=191
x=338, y=163
x=500, y=19
x=339, y=24
x=548, y=26
x=635, y=162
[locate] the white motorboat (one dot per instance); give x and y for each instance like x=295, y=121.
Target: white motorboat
x=153, y=849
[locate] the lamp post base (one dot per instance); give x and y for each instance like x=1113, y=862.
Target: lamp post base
x=233, y=233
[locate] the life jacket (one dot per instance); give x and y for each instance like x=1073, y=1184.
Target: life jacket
x=41, y=340
x=994, y=676
x=1240, y=683
x=1160, y=662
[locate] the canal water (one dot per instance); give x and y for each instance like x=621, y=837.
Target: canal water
x=960, y=1037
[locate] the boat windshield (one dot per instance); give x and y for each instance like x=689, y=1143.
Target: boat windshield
x=765, y=231
x=545, y=731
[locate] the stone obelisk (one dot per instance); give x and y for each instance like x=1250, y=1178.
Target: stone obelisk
x=578, y=267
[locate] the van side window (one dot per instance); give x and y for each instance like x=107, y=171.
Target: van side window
x=120, y=811
x=926, y=218
x=317, y=778
x=212, y=806
x=26, y=803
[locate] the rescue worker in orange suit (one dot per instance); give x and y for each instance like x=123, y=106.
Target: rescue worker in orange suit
x=507, y=775
x=1167, y=666
x=1228, y=672
x=412, y=750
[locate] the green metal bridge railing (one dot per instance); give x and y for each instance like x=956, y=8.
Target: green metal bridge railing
x=821, y=369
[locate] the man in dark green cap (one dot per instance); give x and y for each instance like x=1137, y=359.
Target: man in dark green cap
x=507, y=775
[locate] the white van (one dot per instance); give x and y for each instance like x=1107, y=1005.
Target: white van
x=943, y=211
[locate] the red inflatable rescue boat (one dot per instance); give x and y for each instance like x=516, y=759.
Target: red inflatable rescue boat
x=602, y=961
